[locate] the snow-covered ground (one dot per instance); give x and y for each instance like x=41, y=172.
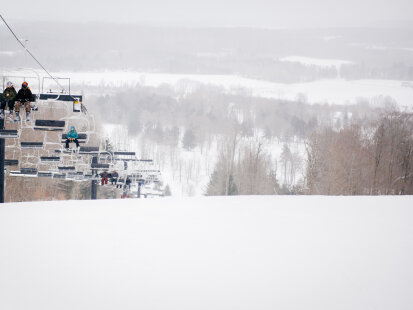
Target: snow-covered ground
x=279, y=252
x=331, y=91
x=320, y=62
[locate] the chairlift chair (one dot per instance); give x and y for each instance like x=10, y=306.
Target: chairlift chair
x=11, y=162
x=9, y=134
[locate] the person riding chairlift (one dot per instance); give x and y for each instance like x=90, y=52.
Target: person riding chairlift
x=24, y=96
x=72, y=136
x=114, y=179
x=8, y=97
x=104, y=178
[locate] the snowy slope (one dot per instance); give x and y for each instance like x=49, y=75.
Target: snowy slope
x=208, y=253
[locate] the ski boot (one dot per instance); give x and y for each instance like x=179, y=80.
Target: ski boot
x=17, y=119
x=27, y=116
x=2, y=114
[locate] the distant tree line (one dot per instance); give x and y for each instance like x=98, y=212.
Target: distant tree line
x=254, y=53
x=350, y=150
x=196, y=113
x=373, y=159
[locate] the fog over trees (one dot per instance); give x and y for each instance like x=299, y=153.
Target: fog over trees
x=356, y=149
x=244, y=144
x=251, y=52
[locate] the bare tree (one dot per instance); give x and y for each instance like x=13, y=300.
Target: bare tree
x=358, y=160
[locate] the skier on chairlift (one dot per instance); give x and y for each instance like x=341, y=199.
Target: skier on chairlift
x=8, y=97
x=104, y=178
x=125, y=192
x=72, y=136
x=128, y=182
x=24, y=96
x=126, y=188
x=114, y=179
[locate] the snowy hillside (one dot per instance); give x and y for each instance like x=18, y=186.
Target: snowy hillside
x=278, y=252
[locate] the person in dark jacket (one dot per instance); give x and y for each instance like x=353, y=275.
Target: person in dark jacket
x=126, y=188
x=72, y=136
x=120, y=182
x=24, y=96
x=8, y=97
x=109, y=176
x=128, y=182
x=104, y=176
x=114, y=179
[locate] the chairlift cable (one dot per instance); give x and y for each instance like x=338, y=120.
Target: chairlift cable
x=35, y=59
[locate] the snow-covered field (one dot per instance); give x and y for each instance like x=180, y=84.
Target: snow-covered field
x=295, y=252
x=333, y=91
x=320, y=62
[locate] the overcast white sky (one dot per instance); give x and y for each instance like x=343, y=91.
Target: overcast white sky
x=263, y=13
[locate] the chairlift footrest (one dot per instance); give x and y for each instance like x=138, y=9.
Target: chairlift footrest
x=43, y=174
x=48, y=129
x=31, y=145
x=125, y=153
x=59, y=176
x=28, y=171
x=49, y=125
x=66, y=168
x=11, y=162
x=100, y=166
x=6, y=133
x=89, y=150
x=49, y=159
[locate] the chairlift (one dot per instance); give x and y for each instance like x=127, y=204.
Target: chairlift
x=67, y=151
x=50, y=159
x=100, y=166
x=124, y=153
x=69, y=164
x=44, y=174
x=67, y=168
x=51, y=94
x=89, y=150
x=20, y=75
x=49, y=125
x=75, y=175
x=8, y=134
x=82, y=137
x=11, y=162
x=31, y=145
x=59, y=176
x=25, y=172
